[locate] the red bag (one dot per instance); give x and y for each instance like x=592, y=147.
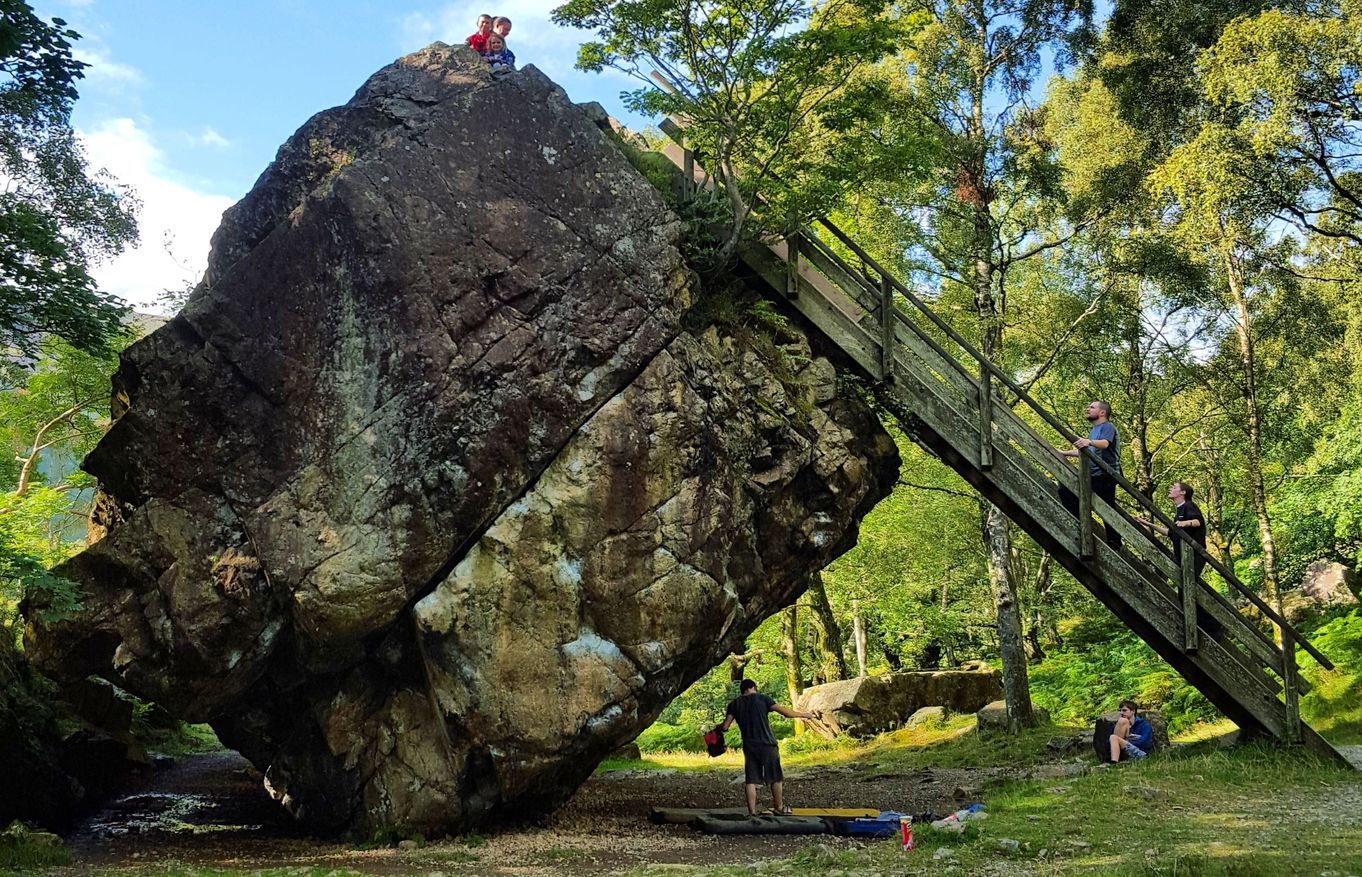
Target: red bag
x=714, y=742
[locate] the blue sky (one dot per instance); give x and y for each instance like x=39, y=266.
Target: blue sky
x=188, y=101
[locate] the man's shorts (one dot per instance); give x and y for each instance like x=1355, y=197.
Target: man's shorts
x=761, y=763
x=1133, y=751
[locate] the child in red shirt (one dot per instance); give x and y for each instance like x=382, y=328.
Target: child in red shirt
x=478, y=41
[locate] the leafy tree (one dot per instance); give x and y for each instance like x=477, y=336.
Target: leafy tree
x=56, y=217
x=968, y=74
x=1146, y=57
x=52, y=412
x=1290, y=87
x=772, y=93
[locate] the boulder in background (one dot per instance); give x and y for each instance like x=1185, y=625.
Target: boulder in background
x=869, y=705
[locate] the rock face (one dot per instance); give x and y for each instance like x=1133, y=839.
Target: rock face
x=993, y=716
x=38, y=788
x=1326, y=583
x=872, y=704
x=426, y=501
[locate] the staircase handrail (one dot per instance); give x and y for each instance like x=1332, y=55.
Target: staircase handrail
x=1289, y=633
x=1059, y=427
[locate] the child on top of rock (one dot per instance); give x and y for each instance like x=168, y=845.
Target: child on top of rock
x=478, y=41
x=502, y=25
x=497, y=55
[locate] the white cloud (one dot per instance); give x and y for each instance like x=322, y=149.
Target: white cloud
x=176, y=221
x=106, y=73
x=207, y=136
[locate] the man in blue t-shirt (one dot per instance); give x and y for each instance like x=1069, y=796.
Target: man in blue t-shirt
x=1104, y=443
x=761, y=756
x=1133, y=737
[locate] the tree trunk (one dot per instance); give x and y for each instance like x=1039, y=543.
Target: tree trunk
x=1137, y=392
x=1257, y=487
x=1011, y=646
x=997, y=534
x=737, y=662
x=1038, y=624
x=789, y=641
x=858, y=635
x=1215, y=509
x=829, y=633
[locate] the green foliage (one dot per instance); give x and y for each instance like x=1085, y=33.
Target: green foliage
x=22, y=852
x=662, y=737
x=1334, y=705
x=774, y=94
x=55, y=216
x=1102, y=663
x=52, y=412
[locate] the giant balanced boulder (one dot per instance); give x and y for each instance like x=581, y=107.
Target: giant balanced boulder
x=439, y=490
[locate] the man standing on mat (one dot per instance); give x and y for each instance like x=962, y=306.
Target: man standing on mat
x=761, y=756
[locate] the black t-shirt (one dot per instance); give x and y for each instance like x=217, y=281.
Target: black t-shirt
x=749, y=711
x=1189, y=511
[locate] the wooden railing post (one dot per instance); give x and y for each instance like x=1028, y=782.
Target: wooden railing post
x=1290, y=687
x=886, y=330
x=985, y=417
x=792, y=266
x=1086, y=549
x=687, y=174
x=1187, y=555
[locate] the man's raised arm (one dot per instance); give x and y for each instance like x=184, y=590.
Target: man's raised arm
x=792, y=713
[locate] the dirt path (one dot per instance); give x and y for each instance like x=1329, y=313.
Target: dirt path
x=212, y=810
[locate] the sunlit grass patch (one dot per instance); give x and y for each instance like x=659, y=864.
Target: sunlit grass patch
x=954, y=742
x=1205, y=732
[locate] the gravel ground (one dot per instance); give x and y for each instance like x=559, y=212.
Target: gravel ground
x=1353, y=754
x=211, y=810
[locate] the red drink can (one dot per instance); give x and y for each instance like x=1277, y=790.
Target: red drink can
x=906, y=829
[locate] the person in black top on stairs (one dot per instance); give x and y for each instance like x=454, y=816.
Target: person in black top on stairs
x=1187, y=517
x=761, y=756
x=1102, y=442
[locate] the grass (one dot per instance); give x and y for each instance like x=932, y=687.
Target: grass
x=177, y=870
x=1200, y=811
x=1334, y=706
x=31, y=856
x=953, y=743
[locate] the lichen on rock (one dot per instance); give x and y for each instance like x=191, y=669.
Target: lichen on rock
x=426, y=501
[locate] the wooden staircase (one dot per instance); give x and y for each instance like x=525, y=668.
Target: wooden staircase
x=963, y=408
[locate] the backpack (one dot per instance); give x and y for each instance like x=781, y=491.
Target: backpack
x=714, y=742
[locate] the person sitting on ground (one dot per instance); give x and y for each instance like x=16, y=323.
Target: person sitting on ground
x=497, y=55
x=1133, y=737
x=761, y=755
x=478, y=41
